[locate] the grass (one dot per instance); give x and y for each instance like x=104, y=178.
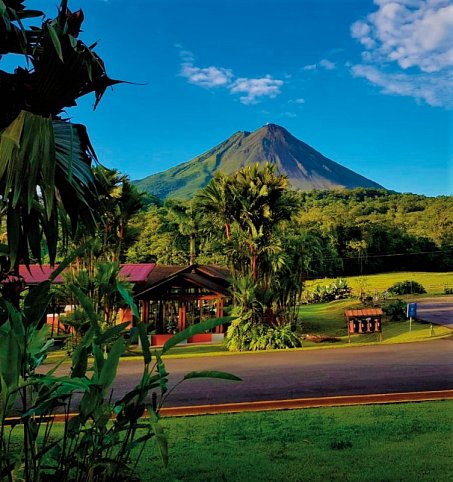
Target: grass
x=434, y=283
x=326, y=318
x=401, y=442
x=376, y=443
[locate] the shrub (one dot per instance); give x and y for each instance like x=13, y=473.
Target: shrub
x=395, y=310
x=243, y=336
x=407, y=287
x=266, y=337
x=448, y=291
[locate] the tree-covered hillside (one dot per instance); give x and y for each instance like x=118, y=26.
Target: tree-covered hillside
x=337, y=232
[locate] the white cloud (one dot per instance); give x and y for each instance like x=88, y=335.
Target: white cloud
x=411, y=33
x=435, y=91
x=253, y=90
x=413, y=38
x=326, y=64
x=289, y=114
x=206, y=77
x=323, y=63
x=256, y=88
x=300, y=100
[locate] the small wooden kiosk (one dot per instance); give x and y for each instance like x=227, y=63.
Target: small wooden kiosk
x=364, y=321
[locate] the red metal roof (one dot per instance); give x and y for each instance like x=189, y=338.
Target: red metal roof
x=35, y=274
x=137, y=273
x=364, y=312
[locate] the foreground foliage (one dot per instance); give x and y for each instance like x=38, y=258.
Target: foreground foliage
x=46, y=181
x=90, y=447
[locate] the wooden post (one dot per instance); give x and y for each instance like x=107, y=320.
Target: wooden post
x=219, y=313
x=145, y=311
x=182, y=316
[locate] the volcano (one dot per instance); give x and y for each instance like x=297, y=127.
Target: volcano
x=305, y=167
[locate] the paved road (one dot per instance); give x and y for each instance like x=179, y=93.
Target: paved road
x=301, y=374
x=436, y=310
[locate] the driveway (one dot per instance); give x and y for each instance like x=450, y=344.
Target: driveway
x=312, y=373
x=436, y=310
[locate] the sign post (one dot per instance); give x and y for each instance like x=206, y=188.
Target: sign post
x=411, y=312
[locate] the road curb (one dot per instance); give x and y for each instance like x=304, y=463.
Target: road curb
x=300, y=403
x=288, y=404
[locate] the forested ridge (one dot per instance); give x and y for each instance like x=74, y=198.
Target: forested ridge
x=338, y=232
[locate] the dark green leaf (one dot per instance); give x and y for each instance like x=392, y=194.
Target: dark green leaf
x=194, y=330
x=127, y=298
x=108, y=371
x=55, y=40
x=212, y=374
x=144, y=340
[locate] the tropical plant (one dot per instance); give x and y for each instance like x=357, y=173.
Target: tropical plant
x=186, y=218
x=337, y=290
x=119, y=204
x=267, y=273
x=265, y=337
x=91, y=446
x=105, y=288
x=216, y=201
x=45, y=162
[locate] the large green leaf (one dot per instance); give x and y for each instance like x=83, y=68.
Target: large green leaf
x=212, y=374
x=110, y=367
x=45, y=167
x=161, y=439
x=144, y=340
x=125, y=294
x=194, y=330
x=55, y=40
x=36, y=303
x=10, y=358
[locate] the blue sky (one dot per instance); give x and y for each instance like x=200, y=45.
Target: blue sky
x=367, y=83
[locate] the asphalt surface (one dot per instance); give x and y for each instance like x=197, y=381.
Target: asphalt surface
x=311, y=374
x=436, y=310
x=380, y=369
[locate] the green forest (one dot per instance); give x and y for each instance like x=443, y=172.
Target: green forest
x=340, y=232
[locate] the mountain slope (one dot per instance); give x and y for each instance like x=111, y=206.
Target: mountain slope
x=305, y=167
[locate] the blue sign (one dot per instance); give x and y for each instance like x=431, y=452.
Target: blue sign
x=411, y=310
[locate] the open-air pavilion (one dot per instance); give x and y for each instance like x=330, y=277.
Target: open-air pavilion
x=178, y=297
x=169, y=298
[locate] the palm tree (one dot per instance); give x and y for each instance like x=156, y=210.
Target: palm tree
x=46, y=181
x=119, y=202
x=185, y=216
x=216, y=201
x=263, y=201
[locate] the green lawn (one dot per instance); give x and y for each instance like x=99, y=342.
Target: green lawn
x=403, y=442
x=375, y=443
x=434, y=283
